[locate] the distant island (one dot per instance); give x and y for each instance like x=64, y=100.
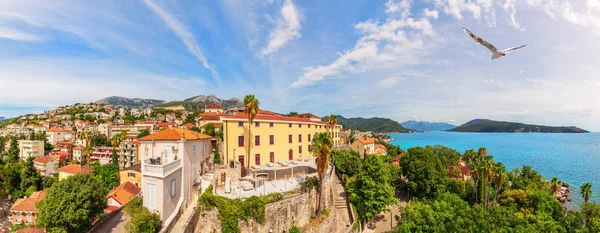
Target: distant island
x=490, y=126
x=427, y=126
x=374, y=124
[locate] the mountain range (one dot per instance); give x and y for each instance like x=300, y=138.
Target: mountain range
x=489, y=126
x=201, y=101
x=427, y=126
x=130, y=102
x=2, y=118
x=374, y=124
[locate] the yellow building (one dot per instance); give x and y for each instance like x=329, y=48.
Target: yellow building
x=132, y=174
x=274, y=137
x=364, y=146
x=70, y=170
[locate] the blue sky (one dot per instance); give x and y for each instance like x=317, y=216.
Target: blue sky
x=398, y=59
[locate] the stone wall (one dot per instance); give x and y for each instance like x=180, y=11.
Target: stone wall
x=293, y=210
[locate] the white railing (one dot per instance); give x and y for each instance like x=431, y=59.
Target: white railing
x=161, y=170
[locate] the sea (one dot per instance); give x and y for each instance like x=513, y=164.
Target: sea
x=572, y=157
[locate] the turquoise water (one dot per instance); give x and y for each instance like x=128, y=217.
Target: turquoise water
x=574, y=158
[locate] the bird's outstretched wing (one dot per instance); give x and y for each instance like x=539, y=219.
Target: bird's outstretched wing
x=513, y=48
x=481, y=41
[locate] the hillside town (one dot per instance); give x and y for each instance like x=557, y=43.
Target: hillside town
x=167, y=158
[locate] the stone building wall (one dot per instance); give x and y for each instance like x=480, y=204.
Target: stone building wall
x=293, y=210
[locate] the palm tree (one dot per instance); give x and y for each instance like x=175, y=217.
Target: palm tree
x=251, y=104
x=555, y=185
x=499, y=176
x=488, y=174
x=332, y=123
x=586, y=192
x=321, y=148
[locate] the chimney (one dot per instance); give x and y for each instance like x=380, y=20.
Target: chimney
x=182, y=137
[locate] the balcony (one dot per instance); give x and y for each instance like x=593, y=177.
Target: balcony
x=160, y=170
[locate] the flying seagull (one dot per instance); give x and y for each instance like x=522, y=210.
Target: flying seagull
x=496, y=53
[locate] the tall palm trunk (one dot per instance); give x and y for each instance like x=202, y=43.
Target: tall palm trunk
x=249, y=141
x=320, y=195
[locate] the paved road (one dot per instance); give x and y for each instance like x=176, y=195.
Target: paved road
x=115, y=225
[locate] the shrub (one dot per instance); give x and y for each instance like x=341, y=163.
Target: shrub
x=309, y=184
x=295, y=229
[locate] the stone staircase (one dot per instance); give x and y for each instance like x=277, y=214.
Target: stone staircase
x=341, y=208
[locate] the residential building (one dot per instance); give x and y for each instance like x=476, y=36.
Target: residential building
x=46, y=166
x=55, y=135
x=105, y=128
x=212, y=118
x=101, y=154
x=364, y=146
x=72, y=169
x=132, y=174
x=121, y=195
x=59, y=156
x=147, y=111
x=214, y=108
x=29, y=148
x=274, y=137
x=173, y=161
x=136, y=112
x=24, y=210
x=309, y=116
x=65, y=146
x=122, y=112
x=78, y=152
x=380, y=150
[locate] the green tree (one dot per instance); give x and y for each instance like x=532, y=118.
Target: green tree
x=72, y=204
x=13, y=150
x=217, y=157
x=321, y=148
x=48, y=181
x=251, y=104
x=425, y=173
x=143, y=133
x=370, y=191
x=108, y=175
x=351, y=139
x=196, y=129
x=586, y=191
x=141, y=219
x=347, y=162
x=292, y=114
x=209, y=129
x=115, y=157
x=30, y=177
x=555, y=184
x=12, y=180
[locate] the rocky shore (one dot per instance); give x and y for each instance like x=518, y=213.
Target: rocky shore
x=563, y=194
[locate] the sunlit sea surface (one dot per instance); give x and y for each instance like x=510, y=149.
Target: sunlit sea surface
x=574, y=158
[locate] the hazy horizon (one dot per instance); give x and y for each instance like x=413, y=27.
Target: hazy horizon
x=400, y=59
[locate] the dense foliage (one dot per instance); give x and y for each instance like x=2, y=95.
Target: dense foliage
x=72, y=204
x=141, y=219
x=108, y=175
x=143, y=133
x=232, y=210
x=485, y=125
x=375, y=124
x=370, y=190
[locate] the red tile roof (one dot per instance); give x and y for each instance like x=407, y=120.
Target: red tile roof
x=211, y=116
x=79, y=147
x=213, y=106
x=28, y=204
x=74, y=169
x=31, y=229
x=124, y=192
x=307, y=115
x=175, y=134
x=366, y=140
x=41, y=159
x=274, y=118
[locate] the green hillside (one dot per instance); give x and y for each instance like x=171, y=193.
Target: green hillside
x=490, y=126
x=375, y=124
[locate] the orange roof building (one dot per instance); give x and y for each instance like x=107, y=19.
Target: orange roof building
x=72, y=169
x=364, y=146
x=122, y=194
x=175, y=134
x=24, y=210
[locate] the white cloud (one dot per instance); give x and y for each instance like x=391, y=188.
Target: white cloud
x=14, y=34
x=286, y=29
x=593, y=82
x=397, y=41
x=184, y=34
x=431, y=13
x=389, y=82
